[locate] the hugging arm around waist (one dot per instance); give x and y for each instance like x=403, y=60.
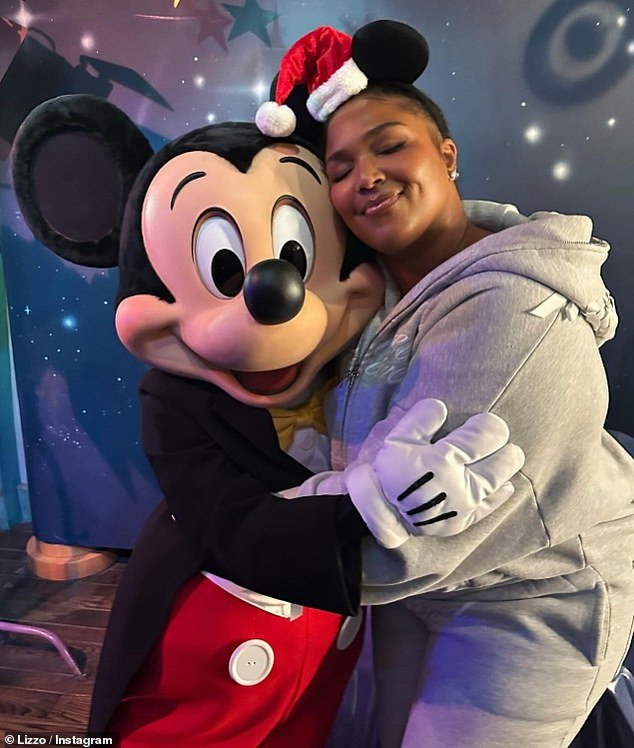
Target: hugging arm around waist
x=219, y=465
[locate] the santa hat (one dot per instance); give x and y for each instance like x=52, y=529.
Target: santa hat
x=332, y=66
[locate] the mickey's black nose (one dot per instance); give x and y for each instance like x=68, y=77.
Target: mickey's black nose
x=273, y=291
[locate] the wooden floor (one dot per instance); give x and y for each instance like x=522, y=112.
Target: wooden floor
x=38, y=692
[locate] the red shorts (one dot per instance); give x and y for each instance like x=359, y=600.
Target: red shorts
x=287, y=683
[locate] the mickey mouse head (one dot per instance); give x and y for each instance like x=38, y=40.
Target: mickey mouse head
x=233, y=266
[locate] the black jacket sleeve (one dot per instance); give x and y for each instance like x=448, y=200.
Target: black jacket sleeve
x=218, y=464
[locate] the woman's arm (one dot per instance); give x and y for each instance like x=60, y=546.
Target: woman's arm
x=482, y=348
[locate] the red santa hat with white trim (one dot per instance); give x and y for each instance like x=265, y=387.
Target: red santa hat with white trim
x=332, y=67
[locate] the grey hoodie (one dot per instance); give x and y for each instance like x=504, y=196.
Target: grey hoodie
x=511, y=325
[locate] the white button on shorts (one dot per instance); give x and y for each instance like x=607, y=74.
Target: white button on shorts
x=349, y=629
x=251, y=662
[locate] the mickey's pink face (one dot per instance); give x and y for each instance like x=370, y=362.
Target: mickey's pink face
x=206, y=226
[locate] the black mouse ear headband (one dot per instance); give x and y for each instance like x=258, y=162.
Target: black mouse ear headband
x=324, y=68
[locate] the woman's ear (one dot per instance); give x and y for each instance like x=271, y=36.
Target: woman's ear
x=449, y=153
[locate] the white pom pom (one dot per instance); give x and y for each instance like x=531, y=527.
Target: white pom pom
x=274, y=120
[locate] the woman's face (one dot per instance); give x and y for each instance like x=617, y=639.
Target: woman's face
x=388, y=170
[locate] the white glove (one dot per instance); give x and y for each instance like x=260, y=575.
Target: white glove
x=436, y=489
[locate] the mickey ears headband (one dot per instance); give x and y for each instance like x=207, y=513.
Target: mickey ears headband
x=331, y=66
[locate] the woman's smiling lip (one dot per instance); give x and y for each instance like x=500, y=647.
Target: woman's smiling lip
x=380, y=204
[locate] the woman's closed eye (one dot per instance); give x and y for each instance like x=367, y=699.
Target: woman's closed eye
x=339, y=174
x=385, y=150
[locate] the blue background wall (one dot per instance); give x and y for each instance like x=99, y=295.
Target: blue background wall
x=539, y=96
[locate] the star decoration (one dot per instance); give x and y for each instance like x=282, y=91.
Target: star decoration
x=213, y=22
x=251, y=18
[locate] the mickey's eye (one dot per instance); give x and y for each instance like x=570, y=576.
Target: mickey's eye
x=219, y=256
x=293, y=236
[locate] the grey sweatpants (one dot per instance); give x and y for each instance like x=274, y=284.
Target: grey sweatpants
x=493, y=670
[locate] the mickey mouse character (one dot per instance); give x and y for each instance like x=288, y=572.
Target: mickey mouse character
x=238, y=284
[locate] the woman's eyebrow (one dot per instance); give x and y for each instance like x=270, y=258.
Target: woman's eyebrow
x=186, y=180
x=300, y=162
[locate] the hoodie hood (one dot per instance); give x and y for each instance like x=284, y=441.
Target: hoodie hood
x=555, y=250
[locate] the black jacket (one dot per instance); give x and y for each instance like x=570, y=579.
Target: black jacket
x=217, y=462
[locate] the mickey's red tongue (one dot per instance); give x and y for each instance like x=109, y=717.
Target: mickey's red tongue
x=268, y=382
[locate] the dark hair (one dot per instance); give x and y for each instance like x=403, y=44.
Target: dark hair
x=420, y=101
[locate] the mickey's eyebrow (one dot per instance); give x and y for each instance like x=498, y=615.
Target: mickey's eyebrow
x=186, y=180
x=300, y=162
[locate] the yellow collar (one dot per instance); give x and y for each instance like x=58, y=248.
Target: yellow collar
x=308, y=415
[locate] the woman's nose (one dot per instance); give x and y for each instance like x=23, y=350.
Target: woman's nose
x=369, y=174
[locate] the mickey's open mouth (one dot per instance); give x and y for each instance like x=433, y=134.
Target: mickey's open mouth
x=268, y=382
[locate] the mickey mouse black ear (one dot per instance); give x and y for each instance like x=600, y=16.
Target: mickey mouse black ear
x=75, y=159
x=390, y=51
x=332, y=67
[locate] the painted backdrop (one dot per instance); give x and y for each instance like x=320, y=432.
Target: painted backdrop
x=538, y=94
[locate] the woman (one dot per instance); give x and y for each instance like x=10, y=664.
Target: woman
x=508, y=633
